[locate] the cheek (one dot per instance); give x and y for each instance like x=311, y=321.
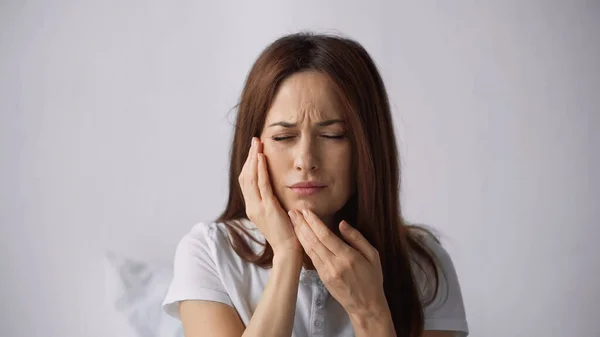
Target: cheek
x=341, y=169
x=276, y=163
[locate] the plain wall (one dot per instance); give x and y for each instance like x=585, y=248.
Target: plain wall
x=116, y=121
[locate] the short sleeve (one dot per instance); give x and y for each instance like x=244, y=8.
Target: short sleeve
x=447, y=310
x=195, y=274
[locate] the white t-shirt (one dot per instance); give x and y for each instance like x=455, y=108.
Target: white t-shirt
x=207, y=268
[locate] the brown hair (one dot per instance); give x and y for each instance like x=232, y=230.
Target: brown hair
x=375, y=208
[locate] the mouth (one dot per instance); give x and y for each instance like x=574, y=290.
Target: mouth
x=307, y=188
x=306, y=191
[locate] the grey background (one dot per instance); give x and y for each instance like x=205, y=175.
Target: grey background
x=115, y=128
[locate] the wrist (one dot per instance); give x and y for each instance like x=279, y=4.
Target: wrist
x=377, y=309
x=287, y=256
x=365, y=319
x=373, y=324
x=291, y=249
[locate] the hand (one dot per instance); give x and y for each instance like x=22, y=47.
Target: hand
x=262, y=207
x=352, y=274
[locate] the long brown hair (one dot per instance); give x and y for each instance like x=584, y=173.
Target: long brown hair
x=375, y=208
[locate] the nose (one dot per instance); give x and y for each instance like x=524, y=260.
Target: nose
x=306, y=158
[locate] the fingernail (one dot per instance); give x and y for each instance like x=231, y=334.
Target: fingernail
x=344, y=225
x=253, y=141
x=305, y=212
x=291, y=214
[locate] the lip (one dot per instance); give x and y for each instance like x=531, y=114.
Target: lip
x=308, y=184
x=307, y=188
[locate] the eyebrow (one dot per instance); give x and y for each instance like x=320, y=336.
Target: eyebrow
x=323, y=123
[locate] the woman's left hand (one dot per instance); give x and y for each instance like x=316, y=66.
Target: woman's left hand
x=352, y=274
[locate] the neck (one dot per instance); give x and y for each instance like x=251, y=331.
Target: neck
x=329, y=222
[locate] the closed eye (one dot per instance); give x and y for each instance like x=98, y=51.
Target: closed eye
x=278, y=139
x=282, y=138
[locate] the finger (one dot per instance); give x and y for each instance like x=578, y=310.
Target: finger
x=248, y=157
x=329, y=240
x=304, y=241
x=359, y=242
x=311, y=241
x=259, y=145
x=264, y=186
x=250, y=195
x=252, y=178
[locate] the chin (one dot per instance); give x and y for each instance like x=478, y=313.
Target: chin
x=314, y=206
x=301, y=204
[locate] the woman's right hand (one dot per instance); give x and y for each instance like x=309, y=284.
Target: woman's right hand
x=262, y=206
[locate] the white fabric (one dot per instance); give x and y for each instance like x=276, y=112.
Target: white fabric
x=207, y=268
x=134, y=292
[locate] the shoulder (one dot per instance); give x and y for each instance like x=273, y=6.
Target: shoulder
x=206, y=232
x=423, y=270
x=201, y=236
x=429, y=240
x=215, y=237
x=197, y=267
x=443, y=305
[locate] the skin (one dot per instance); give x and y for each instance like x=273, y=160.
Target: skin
x=299, y=148
x=299, y=142
x=305, y=138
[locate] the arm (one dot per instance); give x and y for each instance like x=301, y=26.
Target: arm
x=382, y=325
x=352, y=274
x=274, y=315
x=375, y=325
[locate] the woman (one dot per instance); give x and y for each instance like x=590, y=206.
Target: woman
x=312, y=241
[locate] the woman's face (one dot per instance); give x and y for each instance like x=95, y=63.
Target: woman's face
x=305, y=141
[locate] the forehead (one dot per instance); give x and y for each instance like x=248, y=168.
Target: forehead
x=306, y=94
